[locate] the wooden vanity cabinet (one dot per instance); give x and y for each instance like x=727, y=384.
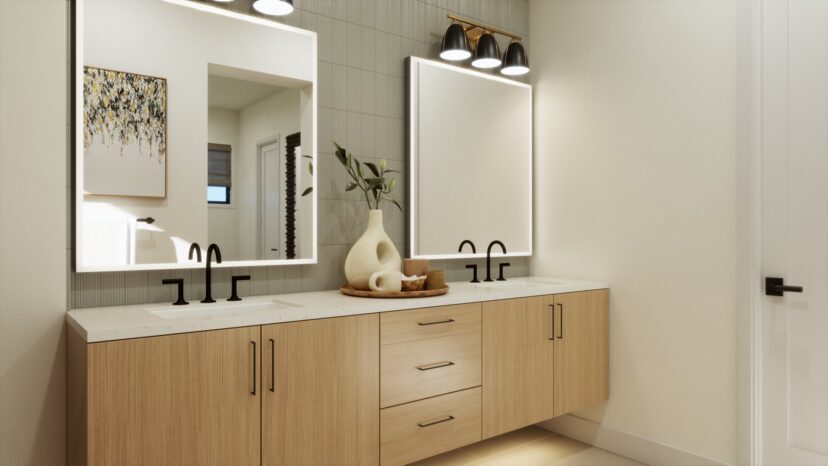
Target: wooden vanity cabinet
x=543, y=357
x=581, y=350
x=320, y=386
x=517, y=364
x=187, y=399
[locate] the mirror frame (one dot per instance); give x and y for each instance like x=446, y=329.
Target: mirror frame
x=412, y=162
x=76, y=91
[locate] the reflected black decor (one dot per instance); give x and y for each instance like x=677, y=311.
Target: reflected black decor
x=515, y=62
x=291, y=143
x=455, y=44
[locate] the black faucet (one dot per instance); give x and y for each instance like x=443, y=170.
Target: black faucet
x=208, y=278
x=197, y=249
x=473, y=267
x=489, y=261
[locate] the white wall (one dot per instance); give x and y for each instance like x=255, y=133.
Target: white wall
x=636, y=140
x=222, y=221
x=33, y=230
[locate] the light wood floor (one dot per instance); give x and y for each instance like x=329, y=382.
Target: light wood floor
x=531, y=446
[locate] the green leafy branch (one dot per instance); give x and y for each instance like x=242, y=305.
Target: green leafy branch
x=375, y=184
x=310, y=170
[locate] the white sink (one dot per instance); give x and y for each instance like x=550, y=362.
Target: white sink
x=203, y=310
x=507, y=285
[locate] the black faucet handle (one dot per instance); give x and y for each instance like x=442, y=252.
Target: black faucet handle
x=234, y=296
x=180, y=282
x=473, y=267
x=502, y=266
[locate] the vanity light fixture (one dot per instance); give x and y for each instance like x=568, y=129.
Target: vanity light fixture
x=464, y=38
x=455, y=44
x=515, y=62
x=487, y=53
x=274, y=7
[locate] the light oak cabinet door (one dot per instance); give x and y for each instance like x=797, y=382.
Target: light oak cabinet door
x=320, y=385
x=517, y=364
x=189, y=399
x=581, y=350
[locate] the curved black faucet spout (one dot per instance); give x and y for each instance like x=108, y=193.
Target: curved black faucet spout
x=195, y=248
x=208, y=276
x=489, y=258
x=470, y=243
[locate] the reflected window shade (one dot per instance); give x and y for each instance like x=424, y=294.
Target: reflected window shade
x=219, y=170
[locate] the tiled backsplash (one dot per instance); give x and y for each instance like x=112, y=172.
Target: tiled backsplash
x=362, y=48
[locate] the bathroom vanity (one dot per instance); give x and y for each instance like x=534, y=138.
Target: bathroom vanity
x=321, y=378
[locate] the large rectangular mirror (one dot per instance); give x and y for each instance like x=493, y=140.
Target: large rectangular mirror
x=469, y=161
x=193, y=124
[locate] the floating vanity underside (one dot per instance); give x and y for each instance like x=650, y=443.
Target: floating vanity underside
x=320, y=378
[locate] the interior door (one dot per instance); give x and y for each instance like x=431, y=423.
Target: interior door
x=272, y=215
x=794, y=137
x=320, y=385
x=517, y=364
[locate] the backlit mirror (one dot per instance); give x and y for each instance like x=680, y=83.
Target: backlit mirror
x=469, y=161
x=184, y=135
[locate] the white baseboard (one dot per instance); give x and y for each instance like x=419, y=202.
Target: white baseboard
x=620, y=443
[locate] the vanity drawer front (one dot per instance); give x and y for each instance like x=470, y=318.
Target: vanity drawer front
x=419, y=369
x=418, y=430
x=403, y=326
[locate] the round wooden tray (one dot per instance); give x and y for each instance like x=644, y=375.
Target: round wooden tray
x=348, y=290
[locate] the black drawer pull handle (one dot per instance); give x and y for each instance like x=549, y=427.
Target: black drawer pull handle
x=447, y=321
x=436, y=421
x=436, y=365
x=253, y=388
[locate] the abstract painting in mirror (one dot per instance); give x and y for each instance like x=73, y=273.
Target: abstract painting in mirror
x=204, y=140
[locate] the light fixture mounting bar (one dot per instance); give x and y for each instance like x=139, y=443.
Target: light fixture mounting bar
x=474, y=25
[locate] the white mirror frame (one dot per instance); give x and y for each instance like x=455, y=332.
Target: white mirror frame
x=412, y=166
x=77, y=118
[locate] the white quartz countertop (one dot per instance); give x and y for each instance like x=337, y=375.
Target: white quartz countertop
x=146, y=320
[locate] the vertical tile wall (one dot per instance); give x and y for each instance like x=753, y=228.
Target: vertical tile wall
x=362, y=47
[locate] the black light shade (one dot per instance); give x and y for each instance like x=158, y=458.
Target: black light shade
x=487, y=54
x=515, y=62
x=455, y=44
x=274, y=7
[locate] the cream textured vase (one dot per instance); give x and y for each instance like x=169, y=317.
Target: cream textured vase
x=373, y=252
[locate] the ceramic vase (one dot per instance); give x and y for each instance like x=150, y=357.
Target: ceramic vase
x=373, y=252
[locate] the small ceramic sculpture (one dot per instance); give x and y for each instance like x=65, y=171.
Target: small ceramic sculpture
x=385, y=281
x=373, y=252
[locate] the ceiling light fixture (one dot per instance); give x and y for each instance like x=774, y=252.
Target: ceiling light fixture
x=274, y=7
x=464, y=38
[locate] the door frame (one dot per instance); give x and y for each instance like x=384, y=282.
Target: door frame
x=749, y=316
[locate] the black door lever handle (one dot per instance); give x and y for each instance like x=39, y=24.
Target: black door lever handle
x=775, y=286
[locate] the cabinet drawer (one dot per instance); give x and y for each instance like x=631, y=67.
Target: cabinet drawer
x=418, y=430
x=419, y=369
x=403, y=326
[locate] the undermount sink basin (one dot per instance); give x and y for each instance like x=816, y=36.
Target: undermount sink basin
x=200, y=310
x=508, y=284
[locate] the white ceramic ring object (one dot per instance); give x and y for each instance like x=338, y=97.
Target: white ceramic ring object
x=385, y=281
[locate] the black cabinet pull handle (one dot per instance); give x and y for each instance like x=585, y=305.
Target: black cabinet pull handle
x=775, y=286
x=447, y=321
x=253, y=389
x=148, y=220
x=552, y=319
x=436, y=421
x=272, y=365
x=436, y=365
x=560, y=330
